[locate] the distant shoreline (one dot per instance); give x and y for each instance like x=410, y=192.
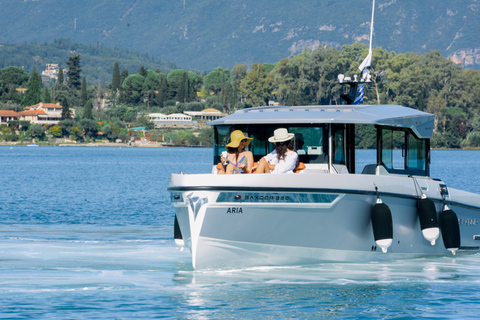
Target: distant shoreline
x=156, y=145
x=101, y=144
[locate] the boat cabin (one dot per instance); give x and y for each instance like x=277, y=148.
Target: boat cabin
x=325, y=136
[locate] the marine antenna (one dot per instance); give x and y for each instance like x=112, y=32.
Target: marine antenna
x=356, y=91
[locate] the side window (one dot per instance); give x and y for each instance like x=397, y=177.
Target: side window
x=259, y=144
x=416, y=154
x=222, y=138
x=339, y=145
x=393, y=152
x=403, y=153
x=311, y=143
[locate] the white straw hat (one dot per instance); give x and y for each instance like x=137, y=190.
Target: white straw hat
x=281, y=135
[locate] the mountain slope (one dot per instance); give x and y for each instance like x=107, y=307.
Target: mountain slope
x=204, y=34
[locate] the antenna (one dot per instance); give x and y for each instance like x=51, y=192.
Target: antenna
x=371, y=27
x=356, y=92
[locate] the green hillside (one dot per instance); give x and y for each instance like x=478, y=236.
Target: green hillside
x=204, y=34
x=96, y=60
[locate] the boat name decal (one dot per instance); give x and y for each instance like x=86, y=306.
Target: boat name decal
x=467, y=222
x=274, y=197
x=235, y=210
x=267, y=198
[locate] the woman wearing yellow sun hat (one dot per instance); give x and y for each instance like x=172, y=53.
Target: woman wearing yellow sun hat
x=236, y=158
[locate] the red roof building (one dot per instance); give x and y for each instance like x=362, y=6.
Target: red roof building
x=7, y=115
x=43, y=113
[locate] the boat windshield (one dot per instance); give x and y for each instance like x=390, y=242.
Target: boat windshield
x=310, y=142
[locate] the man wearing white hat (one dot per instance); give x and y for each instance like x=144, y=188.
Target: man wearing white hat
x=281, y=160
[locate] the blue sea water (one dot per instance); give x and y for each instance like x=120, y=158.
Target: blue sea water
x=86, y=233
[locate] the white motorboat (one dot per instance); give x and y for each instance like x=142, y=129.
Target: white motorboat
x=391, y=209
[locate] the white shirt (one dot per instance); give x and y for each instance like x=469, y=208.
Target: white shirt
x=285, y=165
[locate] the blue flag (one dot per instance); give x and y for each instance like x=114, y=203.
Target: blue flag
x=360, y=92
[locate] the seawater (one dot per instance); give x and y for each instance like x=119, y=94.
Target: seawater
x=86, y=233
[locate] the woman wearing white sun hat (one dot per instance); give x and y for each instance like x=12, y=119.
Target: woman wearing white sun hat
x=281, y=160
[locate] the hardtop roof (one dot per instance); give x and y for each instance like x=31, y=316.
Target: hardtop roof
x=421, y=123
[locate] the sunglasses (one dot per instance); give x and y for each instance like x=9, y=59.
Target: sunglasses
x=244, y=140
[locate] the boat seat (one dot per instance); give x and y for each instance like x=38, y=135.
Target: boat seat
x=300, y=166
x=340, y=168
x=374, y=169
x=369, y=169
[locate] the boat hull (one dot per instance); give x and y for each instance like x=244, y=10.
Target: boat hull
x=318, y=218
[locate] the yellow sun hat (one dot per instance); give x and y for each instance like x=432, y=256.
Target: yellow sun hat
x=235, y=138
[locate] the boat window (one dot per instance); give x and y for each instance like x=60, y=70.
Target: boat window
x=416, y=154
x=392, y=147
x=311, y=142
x=339, y=144
x=402, y=152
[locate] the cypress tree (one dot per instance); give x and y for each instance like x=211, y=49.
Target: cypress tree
x=186, y=87
x=73, y=73
x=143, y=71
x=123, y=76
x=87, y=110
x=59, y=77
x=33, y=95
x=116, y=78
x=46, y=96
x=84, y=91
x=161, y=97
x=65, y=109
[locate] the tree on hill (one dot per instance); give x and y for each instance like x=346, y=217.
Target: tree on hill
x=180, y=89
x=87, y=110
x=73, y=73
x=124, y=75
x=215, y=80
x=56, y=131
x=257, y=86
x=239, y=71
x=83, y=98
x=12, y=78
x=162, y=90
x=132, y=87
x=151, y=83
x=59, y=83
x=65, y=109
x=33, y=95
x=36, y=131
x=46, y=96
x=116, y=85
x=142, y=71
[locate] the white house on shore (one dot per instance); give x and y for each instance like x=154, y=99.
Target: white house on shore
x=207, y=114
x=175, y=119
x=44, y=113
x=185, y=119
